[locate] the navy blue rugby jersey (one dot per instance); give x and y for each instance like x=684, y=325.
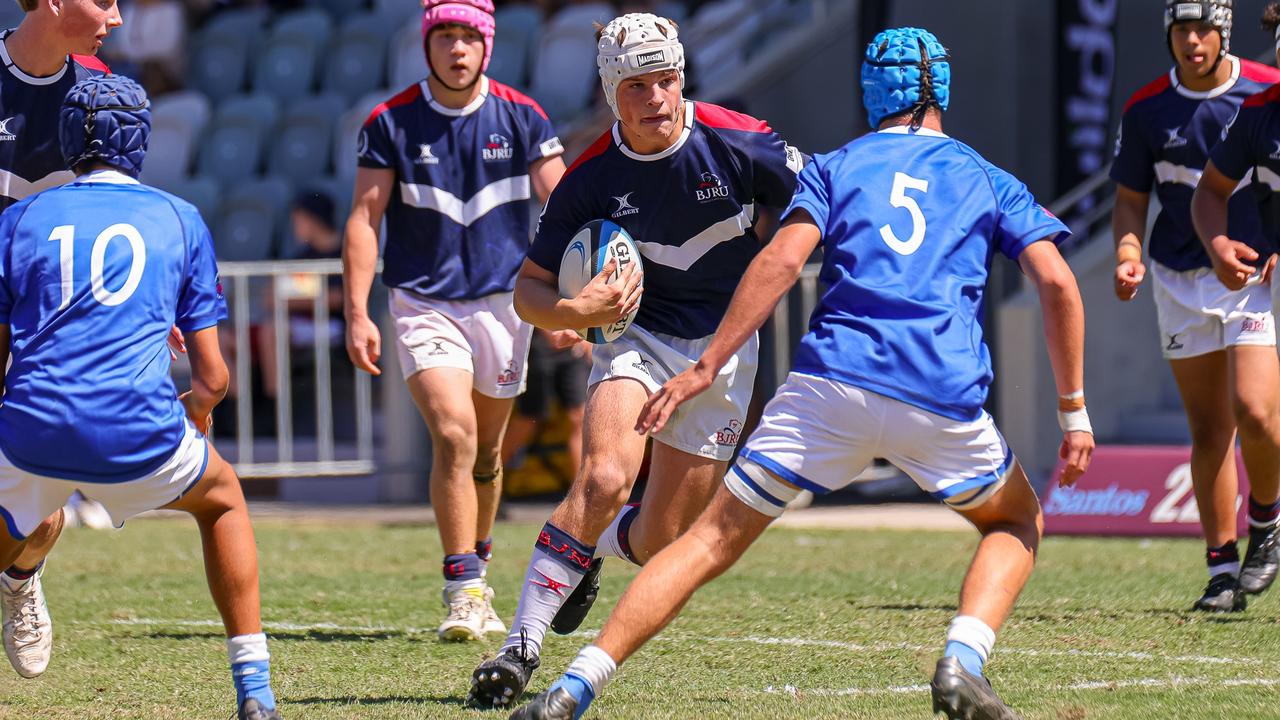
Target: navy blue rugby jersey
x=690, y=209
x=1251, y=148
x=457, y=220
x=30, y=152
x=1166, y=135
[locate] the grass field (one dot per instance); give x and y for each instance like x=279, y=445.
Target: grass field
x=812, y=624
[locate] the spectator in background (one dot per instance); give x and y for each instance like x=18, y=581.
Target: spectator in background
x=152, y=44
x=554, y=374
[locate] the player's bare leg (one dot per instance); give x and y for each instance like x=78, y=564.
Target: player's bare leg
x=444, y=397
x=562, y=554
x=1255, y=392
x=1206, y=398
x=231, y=567
x=492, y=415
x=24, y=614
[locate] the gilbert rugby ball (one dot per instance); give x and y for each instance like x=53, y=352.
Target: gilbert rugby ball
x=585, y=257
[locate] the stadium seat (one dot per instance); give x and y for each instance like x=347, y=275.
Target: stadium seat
x=312, y=23
x=203, y=192
x=340, y=8
x=357, y=57
x=406, y=63
x=348, y=129
x=300, y=148
x=218, y=65
x=520, y=27
x=564, y=69
x=251, y=219
x=10, y=15
x=177, y=119
x=287, y=70
x=672, y=10
x=400, y=10
x=232, y=149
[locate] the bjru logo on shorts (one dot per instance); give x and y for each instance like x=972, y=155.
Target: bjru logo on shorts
x=498, y=148
x=1254, y=325
x=710, y=188
x=729, y=434
x=509, y=376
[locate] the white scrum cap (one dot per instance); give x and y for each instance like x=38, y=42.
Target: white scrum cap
x=636, y=44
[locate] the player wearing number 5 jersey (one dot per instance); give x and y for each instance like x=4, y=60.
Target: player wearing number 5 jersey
x=893, y=366
x=92, y=276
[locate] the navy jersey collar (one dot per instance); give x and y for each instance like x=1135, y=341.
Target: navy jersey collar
x=1206, y=94
x=470, y=107
x=17, y=71
x=684, y=137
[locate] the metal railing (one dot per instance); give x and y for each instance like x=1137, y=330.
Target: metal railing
x=281, y=283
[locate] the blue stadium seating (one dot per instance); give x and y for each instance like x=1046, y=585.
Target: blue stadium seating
x=301, y=146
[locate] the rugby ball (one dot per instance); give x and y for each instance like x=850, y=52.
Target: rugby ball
x=585, y=257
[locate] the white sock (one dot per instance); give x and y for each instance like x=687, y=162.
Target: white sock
x=248, y=648
x=610, y=543
x=971, y=631
x=595, y=666
x=558, y=564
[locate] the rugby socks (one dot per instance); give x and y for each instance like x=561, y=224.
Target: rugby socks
x=1263, y=516
x=21, y=576
x=251, y=669
x=586, y=677
x=556, y=568
x=616, y=540
x=969, y=640
x=484, y=548
x=464, y=570
x=1224, y=559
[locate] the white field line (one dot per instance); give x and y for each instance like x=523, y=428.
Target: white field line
x=744, y=640
x=1168, y=683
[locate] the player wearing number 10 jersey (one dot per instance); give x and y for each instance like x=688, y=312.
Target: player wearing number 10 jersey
x=893, y=366
x=93, y=275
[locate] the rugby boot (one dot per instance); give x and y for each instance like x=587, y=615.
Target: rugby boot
x=554, y=704
x=466, y=618
x=253, y=710
x=27, y=628
x=501, y=681
x=1262, y=560
x=962, y=696
x=570, y=616
x=1223, y=594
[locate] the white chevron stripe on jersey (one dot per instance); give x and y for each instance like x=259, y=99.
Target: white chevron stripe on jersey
x=1167, y=172
x=1268, y=177
x=451, y=206
x=13, y=186
x=683, y=256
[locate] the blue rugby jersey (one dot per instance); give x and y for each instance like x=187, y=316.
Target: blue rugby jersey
x=909, y=225
x=92, y=276
x=690, y=209
x=457, y=220
x=1166, y=135
x=1251, y=148
x=30, y=152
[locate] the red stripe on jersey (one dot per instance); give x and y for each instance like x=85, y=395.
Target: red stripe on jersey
x=1265, y=97
x=90, y=62
x=597, y=148
x=410, y=94
x=506, y=92
x=1153, y=89
x=1258, y=72
x=718, y=117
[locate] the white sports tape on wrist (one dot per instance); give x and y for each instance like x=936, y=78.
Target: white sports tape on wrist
x=1075, y=421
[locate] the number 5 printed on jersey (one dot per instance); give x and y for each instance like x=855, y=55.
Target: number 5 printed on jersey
x=903, y=182
x=66, y=237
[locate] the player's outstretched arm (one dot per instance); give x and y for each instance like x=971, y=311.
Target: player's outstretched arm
x=1231, y=258
x=1063, y=312
x=766, y=280
x=360, y=260
x=1128, y=226
x=209, y=378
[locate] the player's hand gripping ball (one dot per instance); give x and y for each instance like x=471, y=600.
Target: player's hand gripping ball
x=598, y=247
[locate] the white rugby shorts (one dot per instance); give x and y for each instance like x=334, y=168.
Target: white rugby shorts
x=26, y=499
x=710, y=424
x=1199, y=315
x=819, y=434
x=484, y=336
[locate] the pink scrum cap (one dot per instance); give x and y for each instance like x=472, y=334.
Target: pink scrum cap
x=477, y=14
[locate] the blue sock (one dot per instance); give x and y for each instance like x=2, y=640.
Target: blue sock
x=579, y=688
x=253, y=680
x=969, y=658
